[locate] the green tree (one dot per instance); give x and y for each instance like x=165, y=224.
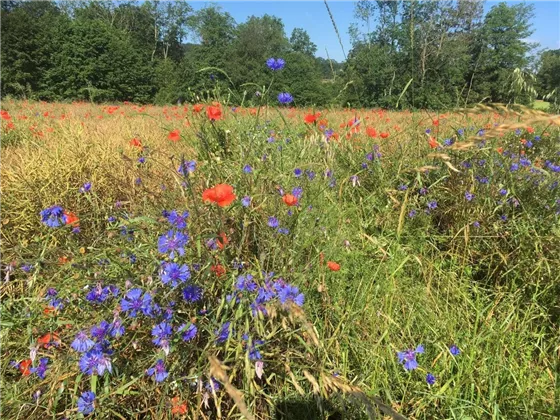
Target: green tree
x=301, y=42
x=548, y=77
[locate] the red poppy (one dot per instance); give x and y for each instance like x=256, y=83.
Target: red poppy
x=218, y=270
x=433, y=143
x=5, y=115
x=24, y=367
x=214, y=113
x=178, y=407
x=500, y=150
x=370, y=131
x=135, y=142
x=197, y=107
x=10, y=126
x=530, y=130
x=49, y=340
x=63, y=260
x=290, y=200
x=71, y=218
x=311, y=118
x=174, y=135
x=435, y=122
x=333, y=266
x=384, y=135
x=221, y=194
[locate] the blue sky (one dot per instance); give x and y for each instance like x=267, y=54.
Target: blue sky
x=313, y=17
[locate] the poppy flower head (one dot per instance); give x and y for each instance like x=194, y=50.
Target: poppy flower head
x=290, y=200
x=71, y=218
x=178, y=407
x=174, y=135
x=433, y=143
x=333, y=266
x=135, y=143
x=384, y=135
x=218, y=270
x=198, y=107
x=214, y=113
x=370, y=131
x=25, y=367
x=311, y=118
x=221, y=194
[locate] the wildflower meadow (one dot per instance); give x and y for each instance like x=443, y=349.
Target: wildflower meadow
x=206, y=261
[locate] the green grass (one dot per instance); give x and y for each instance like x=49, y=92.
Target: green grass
x=433, y=279
x=541, y=105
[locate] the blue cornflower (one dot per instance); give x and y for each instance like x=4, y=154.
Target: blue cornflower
x=174, y=273
x=86, y=403
x=27, y=267
x=85, y=188
x=111, y=219
x=178, y=220
x=297, y=192
x=289, y=293
x=172, y=242
x=94, y=361
x=254, y=353
x=248, y=169
x=192, y=293
x=100, y=331
x=503, y=191
x=117, y=328
x=432, y=204
x=161, y=333
x=408, y=357
x=448, y=142
x=310, y=174
x=428, y=131
x=412, y=213
x=141, y=159
x=100, y=294
x=476, y=224
x=283, y=230
x=469, y=196
x=275, y=64
x=460, y=131
x=285, y=98
x=212, y=385
x=503, y=217
x=272, y=222
x=403, y=187
x=190, y=332
x=430, y=379
x=454, y=350
x=246, y=201
x=514, y=167
x=423, y=191
x=297, y=172
x=41, y=369
x=134, y=301
x=245, y=282
x=82, y=342
x=158, y=371
x=53, y=216
x=187, y=167
x=223, y=333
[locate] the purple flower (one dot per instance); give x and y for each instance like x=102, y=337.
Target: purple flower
x=285, y=98
x=412, y=213
x=275, y=64
x=117, y=328
x=288, y=293
x=247, y=169
x=432, y=204
x=272, y=222
x=173, y=273
x=177, y=220
x=408, y=357
x=297, y=172
x=503, y=191
x=469, y=196
x=158, y=371
x=223, y=333
x=245, y=282
x=297, y=192
x=95, y=361
x=192, y=293
x=100, y=331
x=190, y=332
x=173, y=242
x=476, y=224
x=53, y=216
x=161, y=333
x=187, y=167
x=82, y=342
x=246, y=201
x=41, y=369
x=430, y=379
x=86, y=403
x=283, y=231
x=134, y=301
x=85, y=188
x=454, y=350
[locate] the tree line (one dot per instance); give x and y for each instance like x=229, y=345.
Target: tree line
x=413, y=54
